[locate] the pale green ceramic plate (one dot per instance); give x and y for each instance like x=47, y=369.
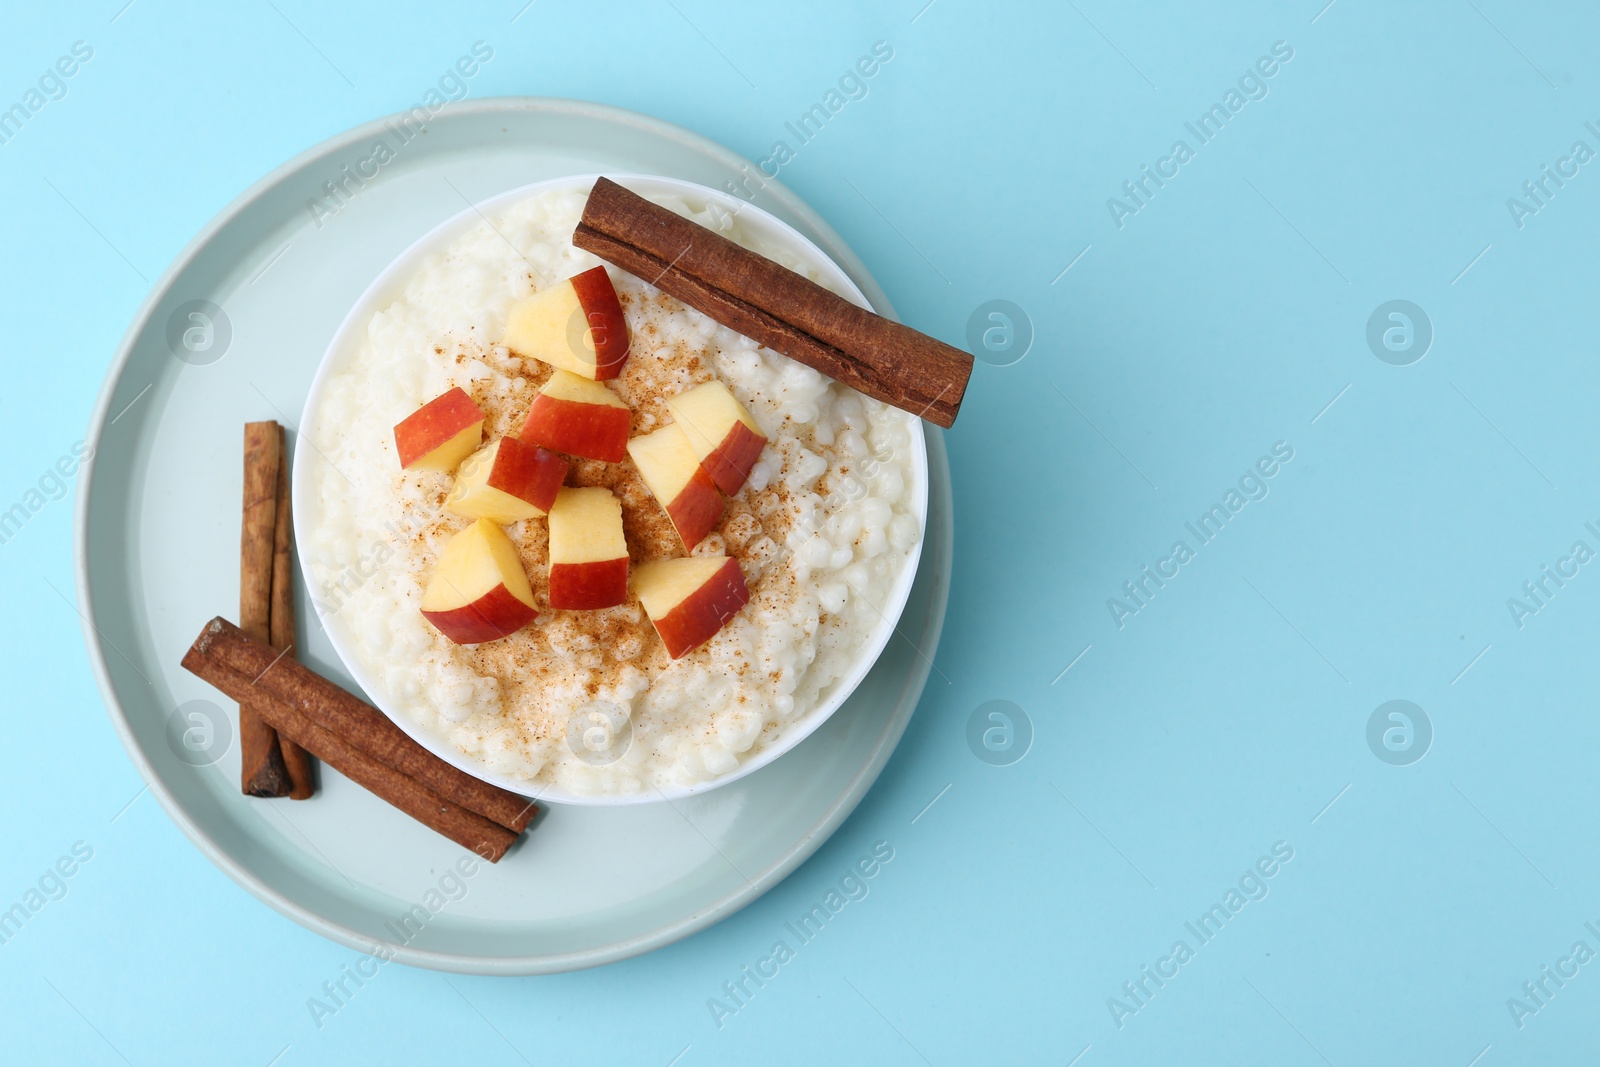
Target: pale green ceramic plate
x=234, y=332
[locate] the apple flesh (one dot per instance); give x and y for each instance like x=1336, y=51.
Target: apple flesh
x=507, y=482
x=588, y=553
x=673, y=474
x=439, y=434
x=690, y=599
x=479, y=591
x=576, y=325
x=579, y=417
x=724, y=436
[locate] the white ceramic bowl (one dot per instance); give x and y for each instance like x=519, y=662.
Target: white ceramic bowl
x=387, y=287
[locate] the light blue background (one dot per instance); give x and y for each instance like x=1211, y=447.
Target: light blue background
x=1224, y=717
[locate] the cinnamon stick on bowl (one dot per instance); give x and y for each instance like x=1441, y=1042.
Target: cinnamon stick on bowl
x=773, y=305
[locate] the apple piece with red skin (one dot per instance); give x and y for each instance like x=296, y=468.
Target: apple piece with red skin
x=588, y=553
x=439, y=434
x=673, y=474
x=479, y=591
x=723, y=434
x=690, y=599
x=580, y=417
x=576, y=325
x=507, y=482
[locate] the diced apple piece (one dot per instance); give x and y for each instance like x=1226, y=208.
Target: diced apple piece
x=579, y=417
x=439, y=434
x=723, y=434
x=673, y=473
x=576, y=325
x=691, y=598
x=588, y=553
x=507, y=482
x=479, y=591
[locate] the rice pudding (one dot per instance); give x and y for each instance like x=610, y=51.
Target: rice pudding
x=589, y=701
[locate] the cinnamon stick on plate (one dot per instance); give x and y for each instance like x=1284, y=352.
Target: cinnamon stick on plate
x=282, y=628
x=773, y=305
x=262, y=772
x=225, y=654
x=467, y=828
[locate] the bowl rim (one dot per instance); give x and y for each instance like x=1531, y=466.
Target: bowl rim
x=306, y=510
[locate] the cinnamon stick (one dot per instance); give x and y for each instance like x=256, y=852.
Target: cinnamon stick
x=287, y=681
x=261, y=770
x=773, y=305
x=282, y=630
x=467, y=828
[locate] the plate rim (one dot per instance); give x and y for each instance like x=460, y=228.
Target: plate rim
x=940, y=510
x=303, y=490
